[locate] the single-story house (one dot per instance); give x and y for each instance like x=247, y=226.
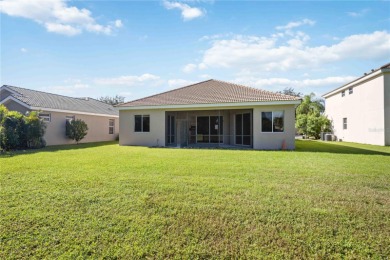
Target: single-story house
x=210, y=113
x=102, y=119
x=360, y=109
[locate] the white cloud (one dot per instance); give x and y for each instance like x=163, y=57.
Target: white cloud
x=187, y=12
x=56, y=16
x=189, y=68
x=295, y=24
x=280, y=83
x=359, y=13
x=215, y=36
x=62, y=29
x=256, y=53
x=205, y=76
x=67, y=89
x=23, y=49
x=118, y=23
x=176, y=83
x=150, y=79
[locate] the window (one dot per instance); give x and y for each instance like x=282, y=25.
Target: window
x=46, y=117
x=111, y=126
x=343, y=93
x=70, y=118
x=350, y=91
x=345, y=123
x=141, y=123
x=272, y=121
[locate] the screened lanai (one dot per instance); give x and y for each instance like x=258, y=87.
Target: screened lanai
x=209, y=128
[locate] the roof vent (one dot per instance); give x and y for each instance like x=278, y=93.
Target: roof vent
x=365, y=74
x=87, y=98
x=372, y=70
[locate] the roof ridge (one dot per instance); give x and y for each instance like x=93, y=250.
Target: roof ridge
x=165, y=92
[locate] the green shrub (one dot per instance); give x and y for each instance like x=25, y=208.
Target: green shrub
x=19, y=132
x=35, y=131
x=76, y=129
x=13, y=131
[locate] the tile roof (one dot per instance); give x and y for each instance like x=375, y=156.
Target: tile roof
x=210, y=92
x=43, y=100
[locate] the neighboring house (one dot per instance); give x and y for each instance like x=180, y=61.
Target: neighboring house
x=210, y=113
x=102, y=119
x=360, y=110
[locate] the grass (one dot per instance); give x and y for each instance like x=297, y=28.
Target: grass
x=324, y=200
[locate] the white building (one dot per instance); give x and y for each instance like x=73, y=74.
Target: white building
x=360, y=110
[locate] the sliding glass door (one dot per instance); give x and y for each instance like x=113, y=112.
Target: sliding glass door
x=209, y=129
x=243, y=129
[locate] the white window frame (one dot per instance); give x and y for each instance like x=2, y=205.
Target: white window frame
x=345, y=123
x=111, y=126
x=70, y=118
x=46, y=117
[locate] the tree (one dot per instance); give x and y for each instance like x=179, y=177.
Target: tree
x=76, y=129
x=35, y=130
x=112, y=100
x=3, y=113
x=290, y=92
x=19, y=132
x=311, y=105
x=13, y=131
x=310, y=119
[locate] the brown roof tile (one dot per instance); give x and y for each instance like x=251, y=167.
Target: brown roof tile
x=210, y=92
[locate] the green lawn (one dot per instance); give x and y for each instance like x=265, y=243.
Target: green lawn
x=324, y=200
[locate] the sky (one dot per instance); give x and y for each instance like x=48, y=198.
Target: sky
x=139, y=48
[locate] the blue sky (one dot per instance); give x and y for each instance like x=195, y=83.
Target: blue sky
x=138, y=48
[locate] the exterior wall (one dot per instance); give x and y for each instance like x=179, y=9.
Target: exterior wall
x=387, y=107
x=364, y=110
x=97, y=128
x=274, y=141
x=3, y=94
x=13, y=106
x=156, y=136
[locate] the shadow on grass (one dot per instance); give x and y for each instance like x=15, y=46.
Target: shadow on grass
x=56, y=148
x=341, y=148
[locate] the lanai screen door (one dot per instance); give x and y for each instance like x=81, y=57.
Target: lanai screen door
x=243, y=129
x=171, y=129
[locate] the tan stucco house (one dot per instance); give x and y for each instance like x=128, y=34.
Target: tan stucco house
x=210, y=113
x=102, y=119
x=360, y=110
